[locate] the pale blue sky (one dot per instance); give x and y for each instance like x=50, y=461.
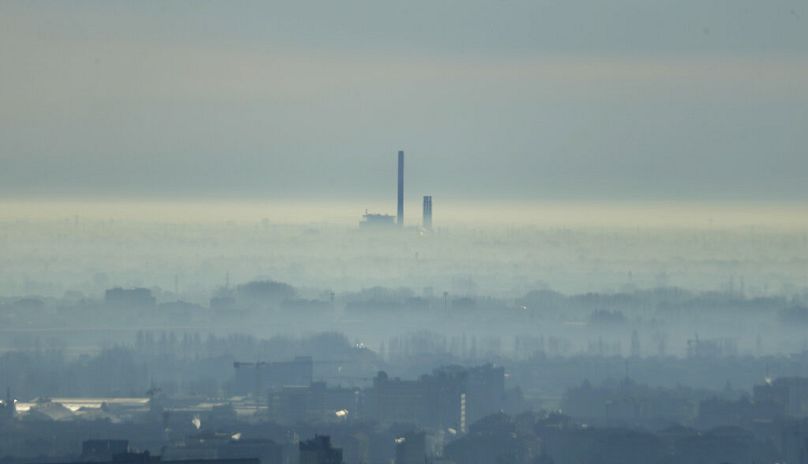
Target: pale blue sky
x=597, y=99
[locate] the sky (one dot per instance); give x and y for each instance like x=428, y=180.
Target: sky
x=585, y=100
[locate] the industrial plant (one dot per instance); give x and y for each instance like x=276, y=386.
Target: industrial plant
x=375, y=220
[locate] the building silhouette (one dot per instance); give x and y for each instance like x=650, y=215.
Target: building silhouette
x=318, y=450
x=130, y=297
x=259, y=377
x=411, y=449
x=103, y=450
x=372, y=220
x=400, y=209
x=8, y=407
x=427, y=219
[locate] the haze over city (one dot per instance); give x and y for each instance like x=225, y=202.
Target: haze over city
x=444, y=232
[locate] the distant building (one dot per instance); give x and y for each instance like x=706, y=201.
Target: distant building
x=411, y=449
x=224, y=446
x=8, y=407
x=314, y=403
x=223, y=303
x=103, y=450
x=377, y=220
x=785, y=396
x=318, y=450
x=132, y=297
x=485, y=391
x=450, y=397
x=117, y=452
x=711, y=348
x=427, y=220
x=260, y=377
x=400, y=203
x=396, y=400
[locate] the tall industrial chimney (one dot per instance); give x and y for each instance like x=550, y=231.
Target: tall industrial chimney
x=427, y=220
x=400, y=188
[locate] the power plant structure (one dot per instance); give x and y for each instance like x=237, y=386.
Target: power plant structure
x=373, y=220
x=400, y=209
x=427, y=218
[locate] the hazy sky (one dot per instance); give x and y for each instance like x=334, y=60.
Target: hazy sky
x=597, y=99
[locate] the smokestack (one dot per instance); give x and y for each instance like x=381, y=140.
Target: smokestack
x=400, y=188
x=428, y=212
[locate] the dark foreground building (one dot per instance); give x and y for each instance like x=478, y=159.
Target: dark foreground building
x=318, y=450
